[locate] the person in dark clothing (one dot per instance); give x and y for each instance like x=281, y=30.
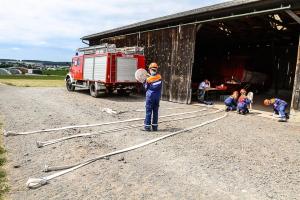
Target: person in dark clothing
x=153, y=85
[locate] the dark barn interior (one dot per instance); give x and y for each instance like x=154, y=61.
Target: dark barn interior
x=265, y=44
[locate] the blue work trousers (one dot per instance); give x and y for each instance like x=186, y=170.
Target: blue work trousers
x=281, y=109
x=151, y=108
x=231, y=106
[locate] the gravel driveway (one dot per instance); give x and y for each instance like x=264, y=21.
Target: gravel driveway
x=236, y=157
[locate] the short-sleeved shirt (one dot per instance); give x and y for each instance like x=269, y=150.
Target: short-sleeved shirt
x=203, y=84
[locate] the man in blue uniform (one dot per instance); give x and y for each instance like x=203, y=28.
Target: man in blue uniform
x=279, y=106
x=153, y=86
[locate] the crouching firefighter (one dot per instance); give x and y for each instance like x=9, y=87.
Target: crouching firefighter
x=153, y=85
x=243, y=102
x=279, y=106
x=231, y=101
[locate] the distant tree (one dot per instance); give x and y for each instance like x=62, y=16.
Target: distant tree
x=6, y=65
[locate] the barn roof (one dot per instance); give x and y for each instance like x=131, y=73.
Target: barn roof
x=226, y=9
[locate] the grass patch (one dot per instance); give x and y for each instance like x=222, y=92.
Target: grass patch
x=30, y=77
x=33, y=80
x=2, y=150
x=7, y=83
x=2, y=161
x=55, y=72
x=4, y=188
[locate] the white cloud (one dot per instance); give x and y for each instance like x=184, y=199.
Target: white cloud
x=41, y=43
x=15, y=48
x=61, y=23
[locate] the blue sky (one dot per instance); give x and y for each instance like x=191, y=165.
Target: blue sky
x=51, y=29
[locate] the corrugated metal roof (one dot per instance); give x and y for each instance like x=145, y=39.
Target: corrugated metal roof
x=196, y=11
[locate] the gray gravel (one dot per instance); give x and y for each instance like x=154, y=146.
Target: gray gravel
x=238, y=157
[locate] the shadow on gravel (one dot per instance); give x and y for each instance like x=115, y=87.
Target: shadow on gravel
x=254, y=113
x=137, y=97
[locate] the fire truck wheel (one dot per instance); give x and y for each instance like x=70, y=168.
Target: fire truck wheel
x=93, y=91
x=69, y=85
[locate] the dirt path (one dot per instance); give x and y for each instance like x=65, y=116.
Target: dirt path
x=238, y=157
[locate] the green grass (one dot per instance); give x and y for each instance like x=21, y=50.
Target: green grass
x=55, y=72
x=8, y=84
x=4, y=188
x=2, y=150
x=2, y=160
x=31, y=77
x=33, y=80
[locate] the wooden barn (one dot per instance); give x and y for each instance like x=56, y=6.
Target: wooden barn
x=233, y=37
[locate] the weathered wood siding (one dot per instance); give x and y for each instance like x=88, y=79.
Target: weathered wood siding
x=295, y=105
x=173, y=50
x=285, y=67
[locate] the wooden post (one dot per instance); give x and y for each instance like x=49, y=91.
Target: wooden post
x=296, y=89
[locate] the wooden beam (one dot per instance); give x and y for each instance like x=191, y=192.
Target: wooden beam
x=198, y=27
x=293, y=15
x=275, y=21
x=235, y=32
x=296, y=89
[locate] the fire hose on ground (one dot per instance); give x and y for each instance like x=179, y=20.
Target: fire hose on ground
x=36, y=182
x=8, y=133
x=49, y=142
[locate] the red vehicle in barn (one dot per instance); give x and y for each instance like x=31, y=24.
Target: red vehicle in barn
x=234, y=73
x=105, y=68
x=239, y=72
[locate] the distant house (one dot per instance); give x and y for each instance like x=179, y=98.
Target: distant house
x=34, y=71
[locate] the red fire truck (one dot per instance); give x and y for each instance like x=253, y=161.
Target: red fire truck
x=105, y=68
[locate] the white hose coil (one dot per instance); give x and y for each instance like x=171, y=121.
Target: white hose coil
x=35, y=182
x=49, y=142
x=8, y=133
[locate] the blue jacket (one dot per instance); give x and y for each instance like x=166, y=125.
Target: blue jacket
x=153, y=85
x=230, y=101
x=277, y=103
x=243, y=105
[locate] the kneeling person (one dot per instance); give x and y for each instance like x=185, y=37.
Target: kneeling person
x=230, y=102
x=243, y=102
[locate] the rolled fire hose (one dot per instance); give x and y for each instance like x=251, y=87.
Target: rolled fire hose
x=36, y=182
x=7, y=133
x=49, y=142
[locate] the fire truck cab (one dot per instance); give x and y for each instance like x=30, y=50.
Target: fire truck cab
x=105, y=68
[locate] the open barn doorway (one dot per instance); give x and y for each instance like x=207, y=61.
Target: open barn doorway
x=258, y=53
